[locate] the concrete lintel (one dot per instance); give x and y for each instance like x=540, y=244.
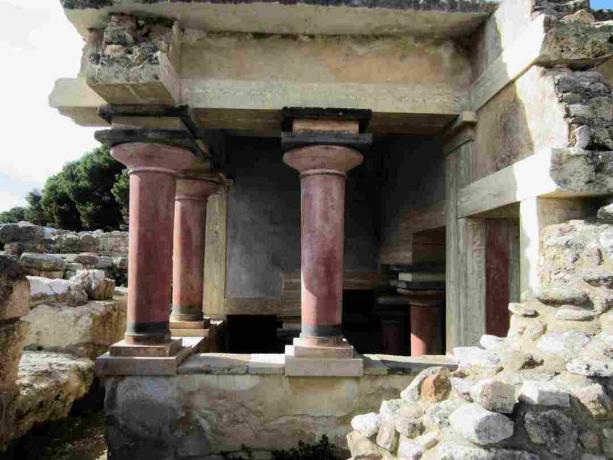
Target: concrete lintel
x=257, y=105
x=340, y=17
x=550, y=173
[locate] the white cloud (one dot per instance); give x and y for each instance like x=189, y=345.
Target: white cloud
x=9, y=200
x=37, y=45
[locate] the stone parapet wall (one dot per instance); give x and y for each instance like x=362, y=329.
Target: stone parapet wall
x=543, y=392
x=221, y=404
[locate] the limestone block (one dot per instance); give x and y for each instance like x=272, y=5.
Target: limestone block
x=12, y=337
x=42, y=262
x=491, y=342
x=553, y=429
x=605, y=213
x=22, y=232
x=494, y=395
x=572, y=313
x=476, y=357
x=367, y=424
x=48, y=384
x=428, y=440
x=387, y=437
x=543, y=394
x=479, y=425
x=571, y=41
x=453, y=451
x=87, y=330
x=566, y=345
x=413, y=391
x=362, y=448
x=95, y=283
x=437, y=415
x=409, y=449
x=558, y=295
x=408, y=426
x=87, y=258
x=56, y=291
x=520, y=309
x=596, y=401
x=14, y=290
x=389, y=409
x=462, y=387
x=436, y=387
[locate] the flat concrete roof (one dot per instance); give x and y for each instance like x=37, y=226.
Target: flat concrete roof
x=434, y=18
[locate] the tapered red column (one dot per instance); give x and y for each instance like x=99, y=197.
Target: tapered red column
x=322, y=176
x=153, y=170
x=188, y=251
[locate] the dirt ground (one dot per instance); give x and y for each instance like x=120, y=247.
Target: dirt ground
x=78, y=437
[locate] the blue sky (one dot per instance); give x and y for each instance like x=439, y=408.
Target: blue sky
x=38, y=45
x=598, y=4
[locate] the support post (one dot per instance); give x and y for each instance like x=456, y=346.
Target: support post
x=191, y=200
x=153, y=170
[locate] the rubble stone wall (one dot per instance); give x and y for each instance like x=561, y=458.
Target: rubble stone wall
x=53, y=253
x=543, y=392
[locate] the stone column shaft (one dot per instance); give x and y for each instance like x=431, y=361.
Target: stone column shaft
x=189, y=248
x=153, y=169
x=323, y=173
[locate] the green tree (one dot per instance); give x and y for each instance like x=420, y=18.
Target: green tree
x=35, y=213
x=13, y=215
x=90, y=183
x=121, y=192
x=60, y=209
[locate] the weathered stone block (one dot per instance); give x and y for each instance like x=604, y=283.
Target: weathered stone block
x=553, y=429
x=494, y=395
x=86, y=330
x=12, y=337
x=479, y=425
x=14, y=290
x=387, y=438
x=95, y=283
x=56, y=291
x=543, y=394
x=367, y=424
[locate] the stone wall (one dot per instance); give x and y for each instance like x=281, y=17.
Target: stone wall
x=220, y=406
x=35, y=387
x=542, y=392
x=53, y=253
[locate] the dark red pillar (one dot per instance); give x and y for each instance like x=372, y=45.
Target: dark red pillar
x=188, y=250
x=322, y=176
x=153, y=171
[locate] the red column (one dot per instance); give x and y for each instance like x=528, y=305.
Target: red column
x=322, y=176
x=426, y=321
x=153, y=170
x=188, y=249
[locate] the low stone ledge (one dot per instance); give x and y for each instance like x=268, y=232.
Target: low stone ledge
x=272, y=363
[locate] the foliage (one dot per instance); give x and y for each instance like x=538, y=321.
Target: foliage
x=322, y=450
x=35, y=213
x=121, y=192
x=13, y=215
x=81, y=196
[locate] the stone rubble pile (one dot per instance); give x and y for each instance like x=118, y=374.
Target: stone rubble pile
x=35, y=387
x=52, y=253
x=543, y=392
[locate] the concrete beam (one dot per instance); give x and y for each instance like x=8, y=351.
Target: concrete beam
x=341, y=17
x=551, y=173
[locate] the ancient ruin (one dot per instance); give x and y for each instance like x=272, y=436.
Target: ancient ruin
x=334, y=204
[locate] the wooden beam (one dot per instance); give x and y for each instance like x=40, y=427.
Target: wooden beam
x=215, y=256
